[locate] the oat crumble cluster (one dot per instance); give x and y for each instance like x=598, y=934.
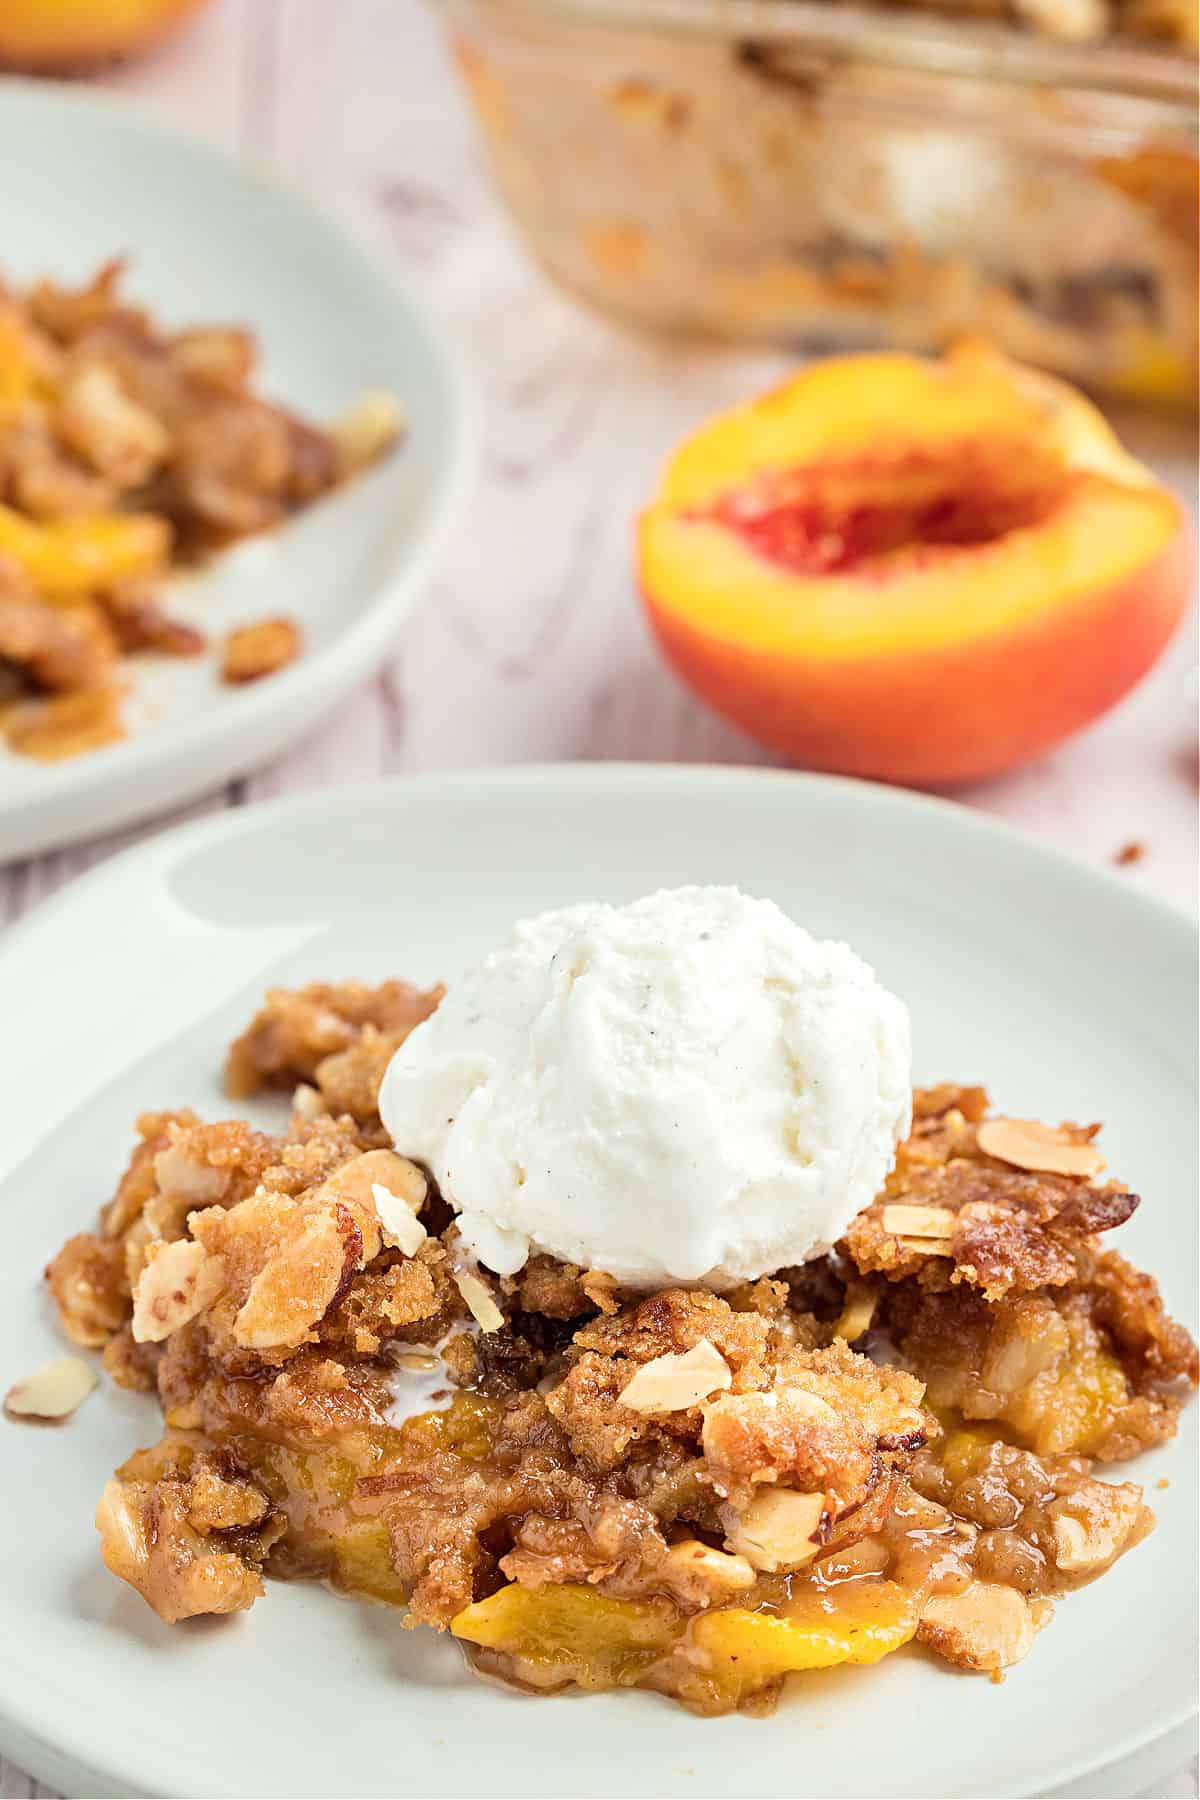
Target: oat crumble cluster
x=127, y=450
x=684, y=1492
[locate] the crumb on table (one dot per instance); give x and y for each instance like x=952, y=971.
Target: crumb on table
x=1131, y=852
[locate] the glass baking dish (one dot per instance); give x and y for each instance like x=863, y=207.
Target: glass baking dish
x=824, y=175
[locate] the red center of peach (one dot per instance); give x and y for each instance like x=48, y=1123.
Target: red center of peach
x=838, y=517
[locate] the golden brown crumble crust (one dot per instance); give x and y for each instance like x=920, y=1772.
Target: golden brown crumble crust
x=682, y=1452
x=1014, y=1230
x=339, y=1035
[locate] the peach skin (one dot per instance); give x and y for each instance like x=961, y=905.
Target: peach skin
x=918, y=571
x=63, y=35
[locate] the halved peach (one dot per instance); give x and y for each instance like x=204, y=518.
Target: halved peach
x=918, y=571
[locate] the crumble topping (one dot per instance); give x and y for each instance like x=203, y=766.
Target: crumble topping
x=339, y=1037
x=955, y=1210
x=189, y=1532
x=693, y=1492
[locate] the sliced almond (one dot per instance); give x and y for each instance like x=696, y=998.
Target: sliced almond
x=178, y=1281
x=923, y=1246
x=355, y=1180
x=418, y=1361
x=987, y=1626
x=184, y=1176
x=934, y=1222
x=809, y=1405
x=365, y=431
x=780, y=1529
x=1112, y=1515
x=1046, y=1149
x=52, y=1393
x=308, y=1103
x=398, y=1223
x=601, y=1290
x=858, y=1312
x=1071, y=1545
x=670, y=1383
x=693, y=1572
x=108, y=429
x=480, y=1304
x=300, y=1280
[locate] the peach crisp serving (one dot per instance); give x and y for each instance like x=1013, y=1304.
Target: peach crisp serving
x=683, y=1490
x=128, y=453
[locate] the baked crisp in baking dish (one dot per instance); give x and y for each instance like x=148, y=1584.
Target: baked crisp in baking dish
x=840, y=176
x=685, y=1491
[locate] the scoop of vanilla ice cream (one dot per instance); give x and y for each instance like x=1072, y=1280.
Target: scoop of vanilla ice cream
x=690, y=1088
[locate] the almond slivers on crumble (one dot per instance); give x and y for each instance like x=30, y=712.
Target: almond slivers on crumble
x=693, y=1492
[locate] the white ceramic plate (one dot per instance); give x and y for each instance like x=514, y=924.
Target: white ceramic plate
x=212, y=240
x=1068, y=993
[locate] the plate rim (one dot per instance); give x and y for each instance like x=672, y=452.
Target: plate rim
x=54, y=1761
x=235, y=820
x=320, y=677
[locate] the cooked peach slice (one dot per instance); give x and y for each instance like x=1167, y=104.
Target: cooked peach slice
x=72, y=557
x=741, y=1652
x=918, y=571
x=569, y=1633
x=572, y=1633
x=362, y=1563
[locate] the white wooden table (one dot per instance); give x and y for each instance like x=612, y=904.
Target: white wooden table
x=531, y=645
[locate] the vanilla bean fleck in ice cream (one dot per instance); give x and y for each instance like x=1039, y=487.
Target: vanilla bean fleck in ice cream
x=687, y=1089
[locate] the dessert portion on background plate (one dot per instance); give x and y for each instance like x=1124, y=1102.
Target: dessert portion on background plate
x=127, y=453
x=645, y=1339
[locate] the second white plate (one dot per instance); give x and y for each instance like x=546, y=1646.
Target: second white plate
x=212, y=241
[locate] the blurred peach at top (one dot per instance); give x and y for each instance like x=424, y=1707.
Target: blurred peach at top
x=61, y=36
